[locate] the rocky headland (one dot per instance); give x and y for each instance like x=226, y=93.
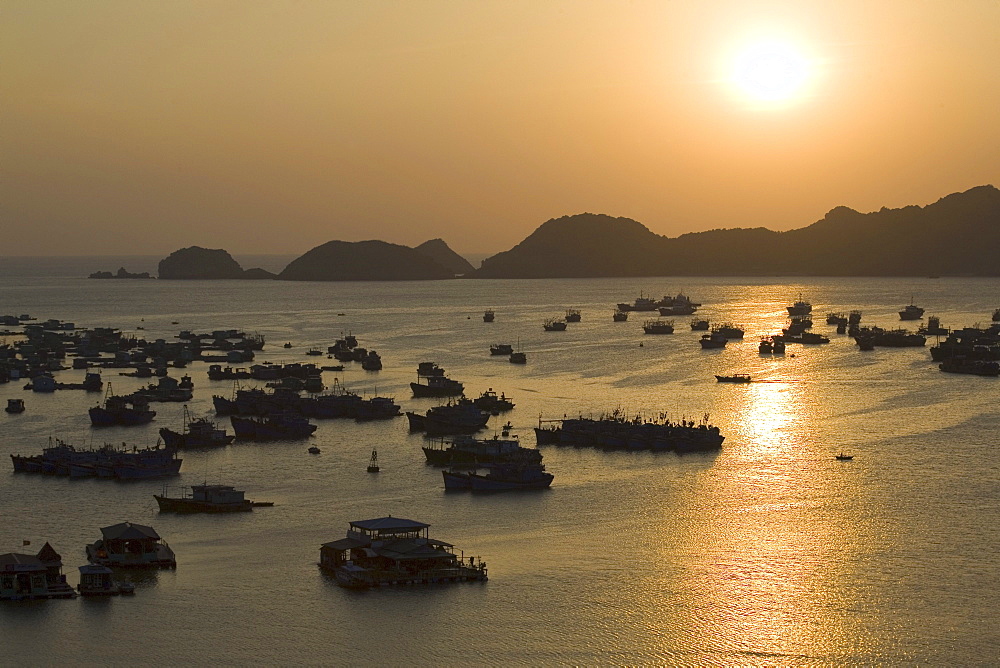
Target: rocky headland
x=197, y=263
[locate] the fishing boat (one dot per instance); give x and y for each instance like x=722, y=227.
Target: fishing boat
x=373, y=462
x=121, y=410
x=489, y=316
x=572, y=315
x=207, y=499
x=499, y=478
x=658, y=327
x=800, y=307
x=275, y=427
x=501, y=349
x=462, y=417
x=911, y=312
x=196, y=433
x=844, y=458
x=699, y=325
x=730, y=331
x=713, y=340
x=554, y=325
x=518, y=358
x=436, y=386
x=640, y=304
x=491, y=402
x=735, y=378
x=394, y=551
x=619, y=316
x=15, y=406
x=313, y=450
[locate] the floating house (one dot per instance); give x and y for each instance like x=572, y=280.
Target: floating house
x=395, y=551
x=33, y=576
x=131, y=545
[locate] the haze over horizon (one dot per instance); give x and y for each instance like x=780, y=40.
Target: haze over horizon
x=272, y=127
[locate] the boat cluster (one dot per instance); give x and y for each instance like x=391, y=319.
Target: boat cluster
x=108, y=461
x=618, y=432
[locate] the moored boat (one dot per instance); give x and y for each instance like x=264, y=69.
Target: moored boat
x=800, y=307
x=658, y=327
x=15, y=406
x=735, y=378
x=489, y=316
x=554, y=325
x=573, y=315
x=911, y=312
x=205, y=499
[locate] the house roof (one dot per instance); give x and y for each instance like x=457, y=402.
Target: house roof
x=13, y=561
x=129, y=531
x=48, y=555
x=389, y=524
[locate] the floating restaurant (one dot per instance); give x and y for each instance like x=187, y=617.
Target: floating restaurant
x=395, y=551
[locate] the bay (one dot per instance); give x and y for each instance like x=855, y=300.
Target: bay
x=769, y=552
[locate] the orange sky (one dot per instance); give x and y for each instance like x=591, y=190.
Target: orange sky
x=271, y=127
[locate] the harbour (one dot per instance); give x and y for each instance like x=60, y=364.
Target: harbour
x=765, y=551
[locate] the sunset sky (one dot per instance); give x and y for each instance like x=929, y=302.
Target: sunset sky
x=274, y=126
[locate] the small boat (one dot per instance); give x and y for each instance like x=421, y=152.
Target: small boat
x=713, y=340
x=315, y=352
x=288, y=344
x=501, y=349
x=572, y=315
x=766, y=346
x=699, y=325
x=15, y=406
x=996, y=315
x=800, y=307
x=373, y=463
x=730, y=331
x=313, y=450
x=619, y=316
x=554, y=325
x=844, y=458
x=735, y=378
x=658, y=327
x=911, y=312
x=489, y=316
x=491, y=402
x=518, y=358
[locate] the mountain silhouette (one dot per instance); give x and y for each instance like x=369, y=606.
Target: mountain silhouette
x=957, y=235
x=363, y=261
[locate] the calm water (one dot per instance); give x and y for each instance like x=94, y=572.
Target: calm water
x=767, y=553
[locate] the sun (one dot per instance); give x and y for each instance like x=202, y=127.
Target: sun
x=771, y=72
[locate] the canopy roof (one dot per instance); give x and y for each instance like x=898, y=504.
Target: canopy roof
x=346, y=544
x=129, y=531
x=389, y=524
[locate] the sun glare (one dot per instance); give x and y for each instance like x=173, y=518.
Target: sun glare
x=771, y=72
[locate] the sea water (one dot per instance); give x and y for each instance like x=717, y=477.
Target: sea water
x=768, y=552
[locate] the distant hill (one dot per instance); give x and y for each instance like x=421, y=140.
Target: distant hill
x=957, y=235
x=200, y=263
x=363, y=261
x=438, y=250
